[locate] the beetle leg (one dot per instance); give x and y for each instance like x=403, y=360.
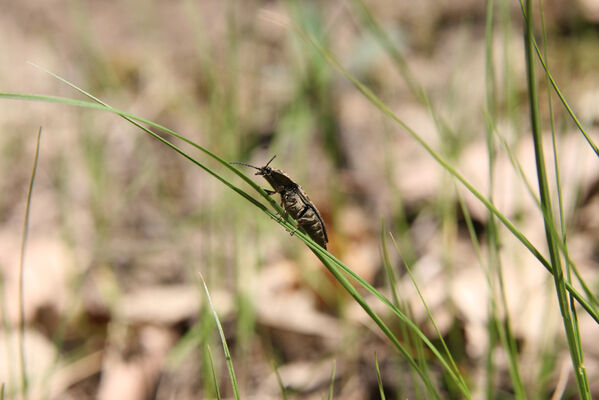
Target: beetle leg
x=269, y=192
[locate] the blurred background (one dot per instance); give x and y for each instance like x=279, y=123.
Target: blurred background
x=121, y=225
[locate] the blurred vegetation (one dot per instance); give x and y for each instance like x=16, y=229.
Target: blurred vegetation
x=409, y=125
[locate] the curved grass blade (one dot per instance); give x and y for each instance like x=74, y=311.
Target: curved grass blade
x=313, y=245
x=590, y=309
x=332, y=383
x=428, y=311
x=223, y=340
x=362, y=302
x=378, y=377
x=324, y=255
x=560, y=288
x=214, y=380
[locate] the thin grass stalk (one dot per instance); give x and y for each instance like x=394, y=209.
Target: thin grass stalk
x=211, y=366
x=288, y=225
x=569, y=263
x=493, y=340
x=492, y=321
x=573, y=341
x=494, y=261
x=21, y=280
x=353, y=292
x=279, y=381
x=202, y=338
x=503, y=330
x=562, y=219
x=496, y=329
x=406, y=335
x=564, y=101
x=424, y=361
x=285, y=223
x=378, y=377
x=558, y=91
x=387, y=265
x=332, y=381
x=571, y=267
x=333, y=263
x=430, y=315
x=388, y=44
x=414, y=343
x=591, y=309
x=228, y=359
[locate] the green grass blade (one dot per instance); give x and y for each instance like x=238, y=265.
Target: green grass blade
x=556, y=88
x=494, y=270
x=378, y=378
x=21, y=282
x=384, y=328
x=387, y=43
x=213, y=372
x=496, y=329
x=569, y=266
x=223, y=340
x=332, y=383
x=286, y=224
x=432, y=320
x=315, y=247
x=279, y=381
x=572, y=339
x=437, y=157
x=387, y=265
x=300, y=235
x=409, y=337
x=565, y=102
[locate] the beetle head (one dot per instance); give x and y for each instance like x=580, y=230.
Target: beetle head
x=264, y=171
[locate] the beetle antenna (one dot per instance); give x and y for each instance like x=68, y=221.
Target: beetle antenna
x=247, y=165
x=273, y=157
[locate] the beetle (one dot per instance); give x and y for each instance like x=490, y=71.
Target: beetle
x=295, y=201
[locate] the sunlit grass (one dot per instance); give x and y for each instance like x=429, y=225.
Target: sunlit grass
x=406, y=338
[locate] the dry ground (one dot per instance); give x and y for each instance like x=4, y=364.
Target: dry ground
x=120, y=225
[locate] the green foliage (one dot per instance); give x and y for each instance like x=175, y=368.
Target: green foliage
x=312, y=107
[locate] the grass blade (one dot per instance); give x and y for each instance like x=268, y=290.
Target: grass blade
x=430, y=317
x=332, y=383
x=21, y=284
x=378, y=377
x=279, y=381
x=377, y=102
x=570, y=330
x=223, y=340
x=211, y=365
